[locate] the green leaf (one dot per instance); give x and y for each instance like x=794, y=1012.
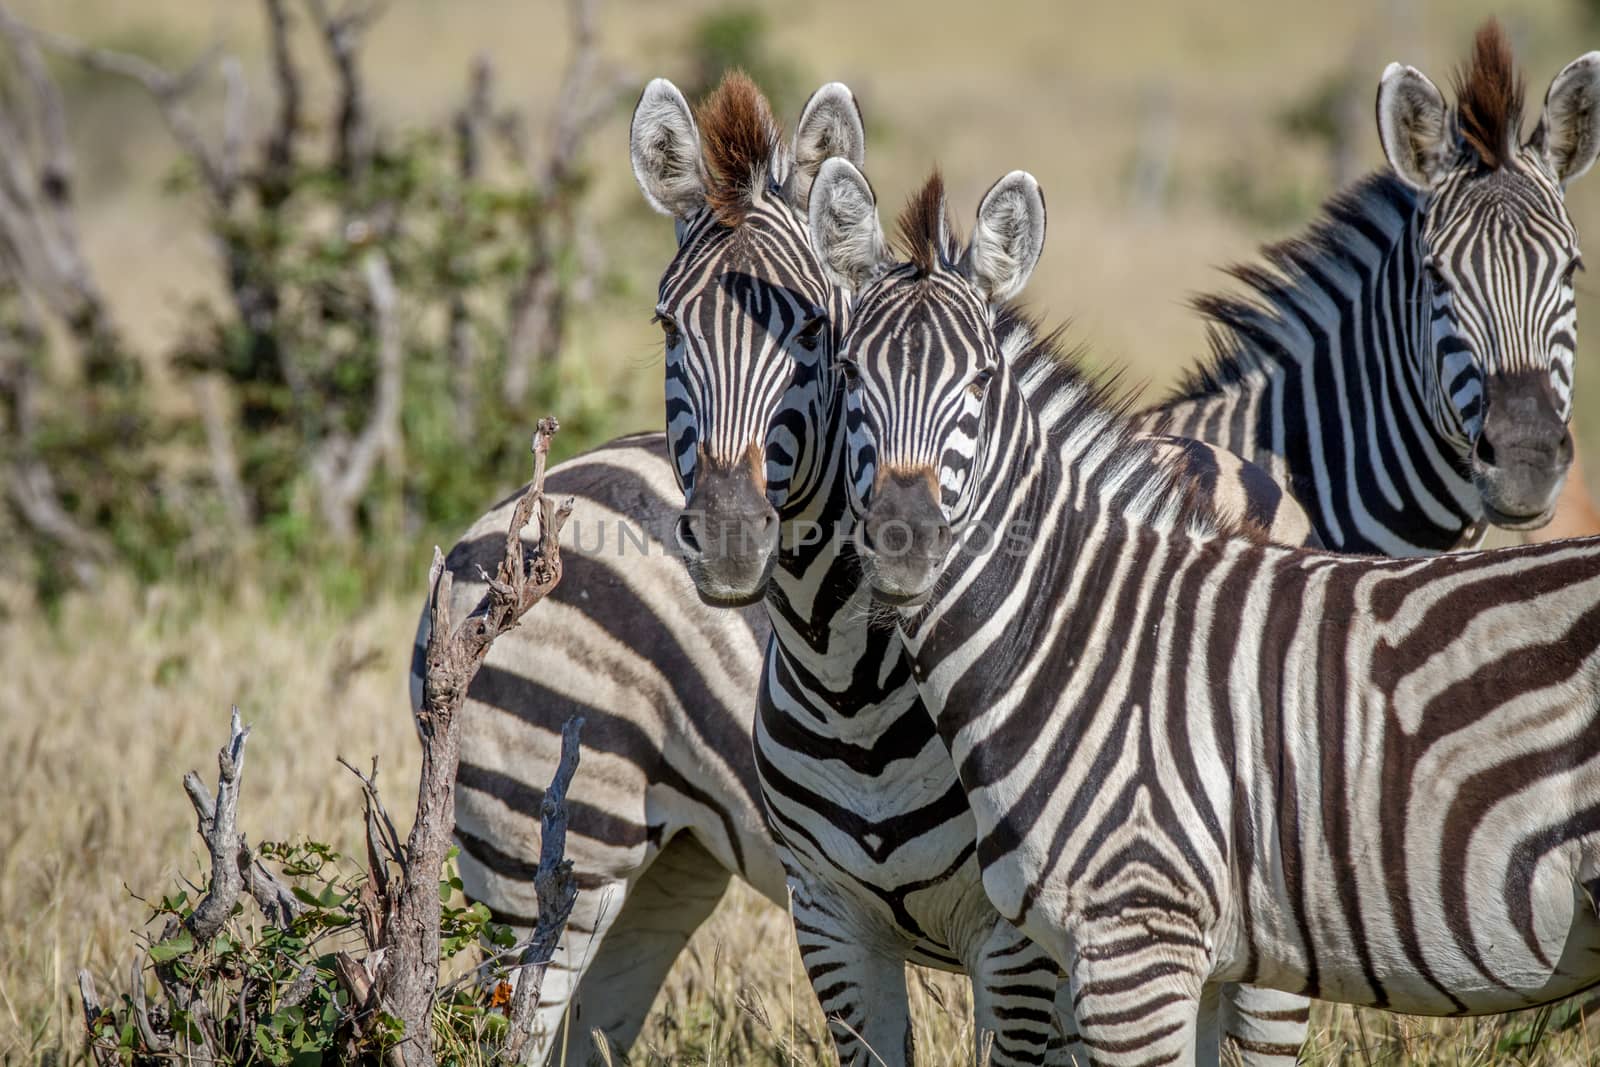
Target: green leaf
x=173, y=947
x=331, y=898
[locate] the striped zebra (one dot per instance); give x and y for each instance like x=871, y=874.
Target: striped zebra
x=1406, y=367
x=1194, y=756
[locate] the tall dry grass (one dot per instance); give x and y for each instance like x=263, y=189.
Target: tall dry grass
x=105, y=709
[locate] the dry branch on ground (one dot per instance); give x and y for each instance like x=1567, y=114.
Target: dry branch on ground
x=397, y=977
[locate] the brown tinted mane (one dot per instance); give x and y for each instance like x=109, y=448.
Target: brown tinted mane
x=740, y=138
x=922, y=225
x=1489, y=97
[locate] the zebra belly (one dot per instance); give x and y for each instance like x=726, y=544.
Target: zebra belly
x=1493, y=955
x=1505, y=973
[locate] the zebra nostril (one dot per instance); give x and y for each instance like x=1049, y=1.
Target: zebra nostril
x=1485, y=449
x=686, y=537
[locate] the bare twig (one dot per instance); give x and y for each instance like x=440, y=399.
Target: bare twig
x=344, y=468
x=103, y=1055
x=557, y=892
x=219, y=827
x=383, y=847
x=235, y=121
x=169, y=89
x=537, y=309
x=409, y=977
x=341, y=36
x=29, y=485
x=277, y=164
x=37, y=209
x=153, y=1038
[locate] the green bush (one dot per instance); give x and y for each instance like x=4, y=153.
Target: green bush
x=275, y=995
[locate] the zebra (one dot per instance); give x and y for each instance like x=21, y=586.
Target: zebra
x=859, y=789
x=1405, y=368
x=1195, y=756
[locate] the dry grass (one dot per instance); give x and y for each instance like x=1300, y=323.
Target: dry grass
x=108, y=708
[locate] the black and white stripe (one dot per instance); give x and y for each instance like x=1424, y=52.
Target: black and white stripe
x=1195, y=757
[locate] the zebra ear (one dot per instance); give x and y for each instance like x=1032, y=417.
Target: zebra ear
x=665, y=147
x=1008, y=239
x=845, y=232
x=829, y=126
x=1568, y=133
x=1413, y=125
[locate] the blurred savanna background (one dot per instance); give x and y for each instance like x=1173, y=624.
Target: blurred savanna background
x=290, y=364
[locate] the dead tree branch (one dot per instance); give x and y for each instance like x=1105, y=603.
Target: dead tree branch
x=538, y=307
x=102, y=1055
x=344, y=468
x=170, y=90
x=219, y=828
x=341, y=36
x=408, y=977
x=271, y=895
x=277, y=164
x=38, y=195
x=557, y=891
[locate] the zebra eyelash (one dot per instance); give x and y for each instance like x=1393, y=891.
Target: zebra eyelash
x=669, y=327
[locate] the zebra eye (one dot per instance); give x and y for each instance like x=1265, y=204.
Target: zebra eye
x=669, y=329
x=980, y=383
x=1436, y=279
x=848, y=369
x=810, y=334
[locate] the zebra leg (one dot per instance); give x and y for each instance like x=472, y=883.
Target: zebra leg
x=1014, y=985
x=1263, y=1027
x=859, y=977
x=1137, y=992
x=1208, y=1030
x=677, y=893
x=1067, y=1047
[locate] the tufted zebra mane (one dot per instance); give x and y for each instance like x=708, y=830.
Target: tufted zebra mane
x=1086, y=417
x=925, y=235
x=742, y=144
x=1489, y=97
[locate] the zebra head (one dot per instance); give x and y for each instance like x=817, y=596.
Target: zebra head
x=917, y=361
x=1494, y=261
x=749, y=317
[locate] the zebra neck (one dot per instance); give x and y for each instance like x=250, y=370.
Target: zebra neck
x=1321, y=377
x=845, y=656
x=988, y=597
